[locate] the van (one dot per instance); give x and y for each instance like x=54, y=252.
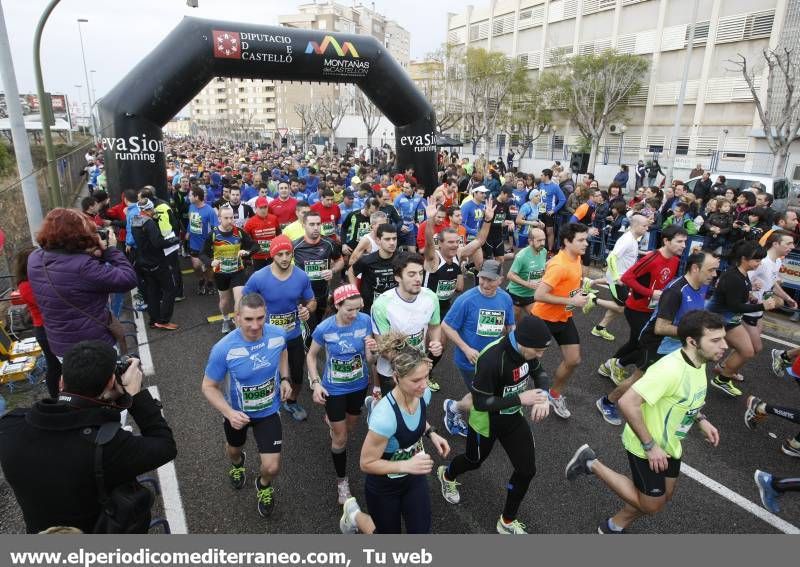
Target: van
x=778, y=187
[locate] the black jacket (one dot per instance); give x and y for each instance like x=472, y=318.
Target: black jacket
x=150, y=244
x=47, y=456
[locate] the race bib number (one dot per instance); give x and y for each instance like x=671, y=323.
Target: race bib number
x=264, y=246
x=542, y=207
x=345, y=371
x=195, y=223
x=534, y=274
x=445, y=289
x=686, y=423
x=328, y=228
x=420, y=215
x=229, y=264
x=363, y=230
x=514, y=390
x=406, y=455
x=490, y=322
x=286, y=321
x=314, y=269
x=257, y=398
x=416, y=340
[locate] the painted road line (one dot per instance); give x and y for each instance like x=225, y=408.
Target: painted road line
x=187, y=271
x=779, y=341
x=170, y=492
x=217, y=318
x=741, y=501
x=141, y=337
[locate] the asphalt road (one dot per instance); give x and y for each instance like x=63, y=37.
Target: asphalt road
x=306, y=489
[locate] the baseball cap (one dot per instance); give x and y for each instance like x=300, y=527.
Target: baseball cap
x=491, y=269
x=400, y=177
x=355, y=180
x=480, y=188
x=262, y=202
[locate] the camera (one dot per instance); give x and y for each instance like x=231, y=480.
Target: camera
x=123, y=362
x=103, y=233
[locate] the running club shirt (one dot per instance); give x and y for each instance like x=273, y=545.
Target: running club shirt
x=329, y=217
x=674, y=391
x=563, y=275
x=225, y=247
x=201, y=220
x=501, y=214
x=529, y=266
x=262, y=231
x=479, y=320
x=377, y=276
x=383, y=421
x=252, y=368
x=676, y=301
x=283, y=210
x=346, y=367
x=315, y=258
x=651, y=273
x=390, y=312
x=282, y=297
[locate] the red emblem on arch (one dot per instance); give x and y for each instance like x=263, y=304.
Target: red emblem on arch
x=227, y=44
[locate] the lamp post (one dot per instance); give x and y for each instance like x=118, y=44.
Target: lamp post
x=54, y=189
x=86, y=73
x=91, y=76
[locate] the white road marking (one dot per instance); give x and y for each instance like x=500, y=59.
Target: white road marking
x=779, y=341
x=144, y=347
x=741, y=501
x=170, y=492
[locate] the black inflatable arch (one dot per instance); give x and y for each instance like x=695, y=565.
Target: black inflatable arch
x=197, y=50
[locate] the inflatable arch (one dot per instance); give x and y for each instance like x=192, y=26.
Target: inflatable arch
x=197, y=50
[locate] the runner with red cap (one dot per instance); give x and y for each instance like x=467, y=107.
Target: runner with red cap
x=262, y=228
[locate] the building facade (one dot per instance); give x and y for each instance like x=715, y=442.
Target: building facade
x=718, y=116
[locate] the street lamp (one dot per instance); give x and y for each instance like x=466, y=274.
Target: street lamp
x=86, y=71
x=94, y=92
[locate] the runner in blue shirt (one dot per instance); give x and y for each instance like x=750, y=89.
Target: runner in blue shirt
x=202, y=218
x=406, y=205
x=254, y=359
x=349, y=347
x=290, y=300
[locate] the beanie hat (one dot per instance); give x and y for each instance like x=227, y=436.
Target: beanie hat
x=279, y=244
x=532, y=332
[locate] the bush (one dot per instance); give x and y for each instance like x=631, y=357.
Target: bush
x=6, y=161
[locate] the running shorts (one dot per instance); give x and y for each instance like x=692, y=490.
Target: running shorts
x=648, y=482
x=266, y=430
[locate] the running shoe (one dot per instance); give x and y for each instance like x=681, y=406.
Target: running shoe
x=514, y=528
x=605, y=368
x=227, y=326
x=559, y=406
x=165, y=326
x=433, y=385
x=180, y=298
x=726, y=386
x=237, y=473
x=201, y=287
x=347, y=524
x=577, y=465
x=618, y=373
x=343, y=490
x=603, y=334
x=591, y=301
x=608, y=411
x=449, y=487
x=139, y=305
x=717, y=369
x=777, y=363
x=788, y=449
x=266, y=499
x=295, y=410
x=769, y=496
x=751, y=415
x=451, y=417
x=604, y=528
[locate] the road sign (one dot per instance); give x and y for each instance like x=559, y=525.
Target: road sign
x=283, y=132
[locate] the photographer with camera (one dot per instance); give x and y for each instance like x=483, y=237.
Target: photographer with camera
x=48, y=452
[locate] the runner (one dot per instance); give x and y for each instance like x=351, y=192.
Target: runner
x=329, y=212
x=552, y=201
x=393, y=455
x=502, y=221
x=224, y=251
x=624, y=255
x=295, y=230
x=262, y=228
x=202, y=219
x=526, y=271
x=499, y=390
x=407, y=204
x=557, y=295
x=528, y=216
x=645, y=280
x=368, y=243
x=254, y=359
x=410, y=309
x=321, y=259
x=731, y=299
x=660, y=410
x=757, y=411
x=771, y=488
x=357, y=225
x=349, y=346
x=659, y=335
x=284, y=206
x=290, y=302
x=376, y=270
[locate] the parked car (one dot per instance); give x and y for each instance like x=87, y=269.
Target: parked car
x=778, y=187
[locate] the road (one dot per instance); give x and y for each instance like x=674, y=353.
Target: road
x=306, y=490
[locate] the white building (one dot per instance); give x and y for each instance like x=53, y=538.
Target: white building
x=718, y=113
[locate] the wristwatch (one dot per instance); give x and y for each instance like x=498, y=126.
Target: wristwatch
x=649, y=445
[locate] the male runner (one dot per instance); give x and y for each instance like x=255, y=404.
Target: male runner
x=368, y=243
x=255, y=360
x=526, y=271
x=262, y=228
x=290, y=302
x=660, y=410
x=202, y=219
x=376, y=270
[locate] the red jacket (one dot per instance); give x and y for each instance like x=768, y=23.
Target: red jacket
x=118, y=213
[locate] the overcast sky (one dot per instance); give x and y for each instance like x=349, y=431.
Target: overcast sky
x=121, y=32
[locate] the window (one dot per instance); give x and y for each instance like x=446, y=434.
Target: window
x=655, y=148
x=700, y=33
x=558, y=142
x=796, y=175
x=682, y=147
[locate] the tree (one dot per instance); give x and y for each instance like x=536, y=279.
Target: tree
x=307, y=115
x=329, y=113
x=594, y=90
x=490, y=80
x=779, y=112
x=527, y=118
x=440, y=85
x=370, y=115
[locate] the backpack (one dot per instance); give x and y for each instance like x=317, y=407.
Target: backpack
x=126, y=509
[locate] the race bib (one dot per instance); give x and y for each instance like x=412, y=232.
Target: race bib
x=343, y=371
x=286, y=321
x=229, y=264
x=328, y=228
x=257, y=398
x=195, y=223
x=363, y=230
x=514, y=390
x=490, y=322
x=420, y=215
x=264, y=246
x=445, y=289
x=534, y=274
x=405, y=455
x=686, y=423
x=314, y=269
x=416, y=340
x=542, y=207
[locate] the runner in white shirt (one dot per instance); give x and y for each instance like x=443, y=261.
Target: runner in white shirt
x=623, y=256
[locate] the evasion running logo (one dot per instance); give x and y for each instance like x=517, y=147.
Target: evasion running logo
x=341, y=50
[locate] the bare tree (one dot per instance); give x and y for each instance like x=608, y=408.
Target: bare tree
x=329, y=113
x=307, y=115
x=441, y=86
x=779, y=112
x=527, y=118
x=370, y=115
x=595, y=90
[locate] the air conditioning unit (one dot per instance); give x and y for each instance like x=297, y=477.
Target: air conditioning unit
x=616, y=128
x=515, y=128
